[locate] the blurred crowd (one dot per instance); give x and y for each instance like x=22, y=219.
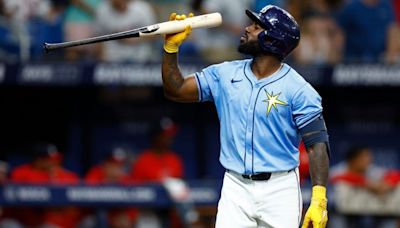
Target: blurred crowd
x=161, y=165
x=333, y=31
x=156, y=164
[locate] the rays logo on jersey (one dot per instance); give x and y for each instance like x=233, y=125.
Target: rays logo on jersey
x=273, y=101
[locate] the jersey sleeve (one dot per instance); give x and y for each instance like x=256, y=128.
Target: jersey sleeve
x=207, y=83
x=306, y=105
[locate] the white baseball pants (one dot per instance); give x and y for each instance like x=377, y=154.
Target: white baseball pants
x=247, y=203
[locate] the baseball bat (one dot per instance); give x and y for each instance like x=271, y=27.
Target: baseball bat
x=202, y=21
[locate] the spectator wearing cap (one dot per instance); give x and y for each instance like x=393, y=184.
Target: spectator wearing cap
x=45, y=168
x=112, y=171
x=159, y=161
x=155, y=165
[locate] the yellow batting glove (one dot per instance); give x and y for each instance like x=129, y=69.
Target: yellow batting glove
x=317, y=213
x=173, y=41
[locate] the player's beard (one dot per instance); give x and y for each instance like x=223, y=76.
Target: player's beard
x=250, y=48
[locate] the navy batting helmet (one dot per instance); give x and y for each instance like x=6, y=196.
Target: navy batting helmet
x=282, y=33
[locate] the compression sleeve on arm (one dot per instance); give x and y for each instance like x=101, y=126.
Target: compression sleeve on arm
x=315, y=132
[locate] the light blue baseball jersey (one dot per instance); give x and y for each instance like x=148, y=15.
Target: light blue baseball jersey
x=259, y=119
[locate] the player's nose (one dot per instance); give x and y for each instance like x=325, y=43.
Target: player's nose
x=247, y=29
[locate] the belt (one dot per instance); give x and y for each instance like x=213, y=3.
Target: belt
x=256, y=177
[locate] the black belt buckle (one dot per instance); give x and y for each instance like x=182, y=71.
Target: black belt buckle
x=258, y=177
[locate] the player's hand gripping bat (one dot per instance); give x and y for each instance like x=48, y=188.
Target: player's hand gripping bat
x=169, y=27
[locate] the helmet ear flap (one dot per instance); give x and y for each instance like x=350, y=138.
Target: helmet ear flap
x=269, y=44
x=262, y=40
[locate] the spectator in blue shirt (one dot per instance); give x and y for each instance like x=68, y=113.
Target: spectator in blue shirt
x=366, y=24
x=9, y=46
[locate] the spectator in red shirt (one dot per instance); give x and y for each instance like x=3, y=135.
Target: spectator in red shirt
x=159, y=161
x=40, y=169
x=359, y=171
x=45, y=169
x=156, y=164
x=112, y=171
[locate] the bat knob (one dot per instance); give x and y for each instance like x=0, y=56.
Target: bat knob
x=46, y=48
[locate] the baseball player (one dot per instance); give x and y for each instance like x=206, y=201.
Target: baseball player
x=265, y=108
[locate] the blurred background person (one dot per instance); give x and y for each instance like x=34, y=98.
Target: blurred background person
x=359, y=171
x=321, y=42
x=159, y=161
x=47, y=27
x=35, y=22
x=113, y=171
x=79, y=20
x=155, y=165
x=45, y=169
x=21, y=11
x=9, y=43
x=220, y=43
x=367, y=25
x=299, y=9
x=120, y=15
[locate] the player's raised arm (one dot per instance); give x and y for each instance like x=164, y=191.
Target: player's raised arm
x=176, y=87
